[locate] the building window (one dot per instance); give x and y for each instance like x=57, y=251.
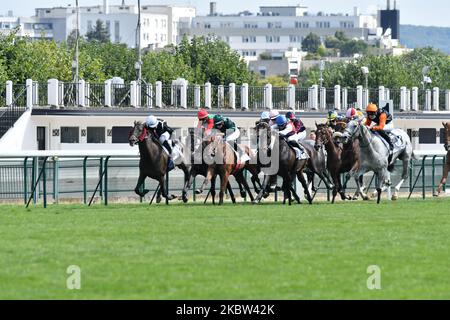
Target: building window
x=95, y=135
x=250, y=25
x=120, y=134
x=427, y=136
x=156, y=23
x=207, y=26
x=272, y=39
x=70, y=135
x=442, y=136
x=247, y=39
x=163, y=23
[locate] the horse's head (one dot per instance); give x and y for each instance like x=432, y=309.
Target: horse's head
x=323, y=136
x=351, y=132
x=137, y=134
x=447, y=135
x=263, y=131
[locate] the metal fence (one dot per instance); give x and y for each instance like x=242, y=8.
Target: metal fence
x=256, y=97
x=40, y=94
x=115, y=177
x=301, y=98
x=120, y=95
x=95, y=95
x=2, y=95
x=280, y=98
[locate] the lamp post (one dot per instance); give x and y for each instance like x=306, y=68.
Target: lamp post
x=365, y=71
x=321, y=68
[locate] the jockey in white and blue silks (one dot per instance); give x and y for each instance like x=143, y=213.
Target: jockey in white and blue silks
x=160, y=130
x=287, y=130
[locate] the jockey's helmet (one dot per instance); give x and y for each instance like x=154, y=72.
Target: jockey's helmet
x=218, y=119
x=351, y=113
x=151, y=122
x=332, y=115
x=265, y=115
x=274, y=114
x=202, y=114
x=290, y=115
x=281, y=121
x=371, y=111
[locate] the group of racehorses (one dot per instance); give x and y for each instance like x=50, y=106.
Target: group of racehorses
x=349, y=148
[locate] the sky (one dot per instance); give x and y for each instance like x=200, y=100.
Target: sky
x=418, y=12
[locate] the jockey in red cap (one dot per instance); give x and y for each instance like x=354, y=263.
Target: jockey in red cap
x=205, y=121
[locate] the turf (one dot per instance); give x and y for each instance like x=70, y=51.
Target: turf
x=231, y=252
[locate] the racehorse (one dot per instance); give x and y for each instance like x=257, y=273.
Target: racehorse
x=153, y=161
x=447, y=162
x=199, y=167
x=374, y=154
x=324, y=138
x=288, y=164
x=224, y=164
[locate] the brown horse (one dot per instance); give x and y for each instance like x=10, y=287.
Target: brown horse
x=223, y=165
x=350, y=157
x=199, y=167
x=153, y=161
x=288, y=164
x=447, y=162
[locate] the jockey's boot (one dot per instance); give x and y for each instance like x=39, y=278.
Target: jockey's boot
x=166, y=144
x=386, y=137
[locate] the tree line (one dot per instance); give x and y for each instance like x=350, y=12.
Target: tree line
x=200, y=60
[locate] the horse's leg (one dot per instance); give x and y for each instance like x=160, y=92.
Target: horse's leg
x=302, y=179
x=231, y=193
x=223, y=184
x=188, y=184
x=263, y=189
x=140, y=182
x=213, y=189
x=246, y=186
x=208, y=178
x=444, y=178
x=162, y=189
x=404, y=177
x=186, y=172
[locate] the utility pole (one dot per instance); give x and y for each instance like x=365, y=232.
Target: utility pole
x=77, y=33
x=138, y=65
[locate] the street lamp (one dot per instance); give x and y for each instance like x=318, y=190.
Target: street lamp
x=321, y=68
x=426, y=79
x=365, y=71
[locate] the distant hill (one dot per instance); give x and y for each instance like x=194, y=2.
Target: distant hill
x=420, y=36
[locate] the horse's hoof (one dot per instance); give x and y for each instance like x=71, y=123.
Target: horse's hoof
x=354, y=199
x=394, y=198
x=243, y=194
x=185, y=200
x=366, y=198
x=198, y=191
x=158, y=200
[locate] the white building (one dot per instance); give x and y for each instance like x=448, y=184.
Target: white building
x=159, y=24
x=277, y=29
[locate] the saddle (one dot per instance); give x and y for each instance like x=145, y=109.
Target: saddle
x=300, y=152
x=396, y=139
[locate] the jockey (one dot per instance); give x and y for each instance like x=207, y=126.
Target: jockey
x=353, y=114
x=287, y=130
x=298, y=125
x=227, y=127
x=382, y=120
x=332, y=118
x=273, y=115
x=265, y=117
x=205, y=121
x=160, y=130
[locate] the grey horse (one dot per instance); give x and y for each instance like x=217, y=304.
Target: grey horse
x=374, y=156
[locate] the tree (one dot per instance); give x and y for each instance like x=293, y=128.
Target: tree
x=99, y=34
x=311, y=43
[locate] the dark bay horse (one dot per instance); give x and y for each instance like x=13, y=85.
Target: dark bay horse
x=335, y=159
x=288, y=166
x=153, y=161
x=447, y=162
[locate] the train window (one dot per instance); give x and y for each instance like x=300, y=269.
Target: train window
x=70, y=135
x=427, y=136
x=120, y=134
x=96, y=135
